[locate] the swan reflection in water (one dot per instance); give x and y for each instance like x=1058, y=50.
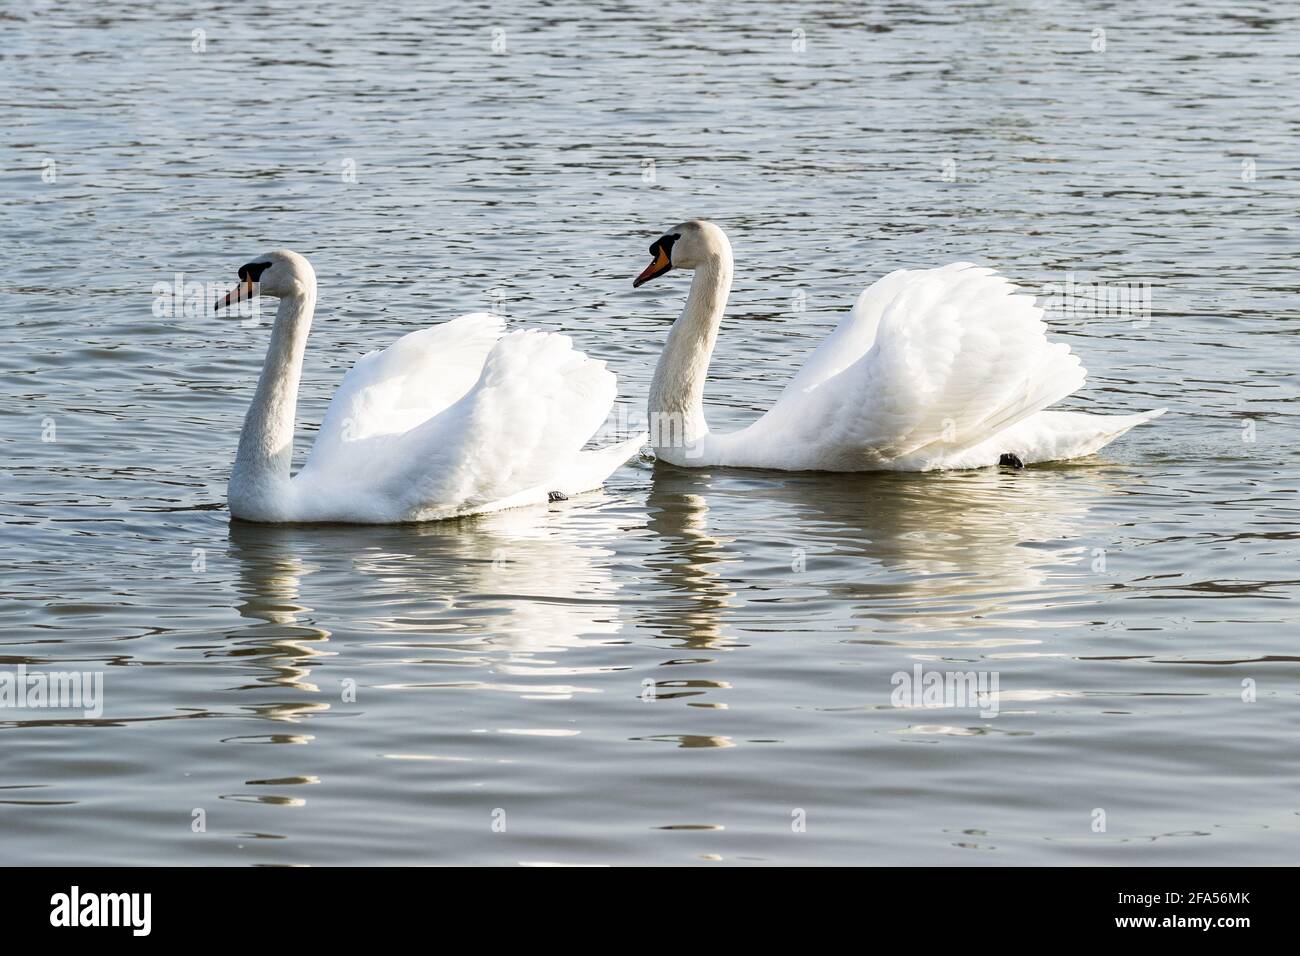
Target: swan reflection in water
x=504, y=591
x=881, y=553
x=868, y=553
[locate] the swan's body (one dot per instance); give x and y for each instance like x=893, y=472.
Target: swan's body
x=935, y=368
x=452, y=420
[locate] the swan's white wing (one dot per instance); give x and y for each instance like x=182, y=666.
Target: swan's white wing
x=389, y=392
x=513, y=437
x=854, y=335
x=955, y=357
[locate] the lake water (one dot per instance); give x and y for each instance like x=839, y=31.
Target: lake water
x=690, y=667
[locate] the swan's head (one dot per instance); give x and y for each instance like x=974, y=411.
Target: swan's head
x=688, y=245
x=282, y=274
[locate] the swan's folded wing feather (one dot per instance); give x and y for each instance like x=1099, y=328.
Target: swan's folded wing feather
x=391, y=391
x=855, y=334
x=957, y=356
x=516, y=433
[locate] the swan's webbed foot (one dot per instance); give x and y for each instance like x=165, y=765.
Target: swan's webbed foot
x=1008, y=460
x=556, y=496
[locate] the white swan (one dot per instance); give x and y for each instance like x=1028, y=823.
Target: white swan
x=452, y=420
x=934, y=368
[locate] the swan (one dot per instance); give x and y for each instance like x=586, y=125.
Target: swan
x=452, y=420
x=933, y=369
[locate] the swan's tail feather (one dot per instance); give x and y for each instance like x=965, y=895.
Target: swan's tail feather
x=1113, y=426
x=592, y=467
x=1050, y=436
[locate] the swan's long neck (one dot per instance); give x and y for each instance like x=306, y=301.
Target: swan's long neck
x=259, y=482
x=676, y=404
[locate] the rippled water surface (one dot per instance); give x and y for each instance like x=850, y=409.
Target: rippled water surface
x=691, y=666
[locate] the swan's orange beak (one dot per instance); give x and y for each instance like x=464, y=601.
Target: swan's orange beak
x=660, y=265
x=247, y=289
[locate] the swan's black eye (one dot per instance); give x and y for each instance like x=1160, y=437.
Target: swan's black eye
x=252, y=271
